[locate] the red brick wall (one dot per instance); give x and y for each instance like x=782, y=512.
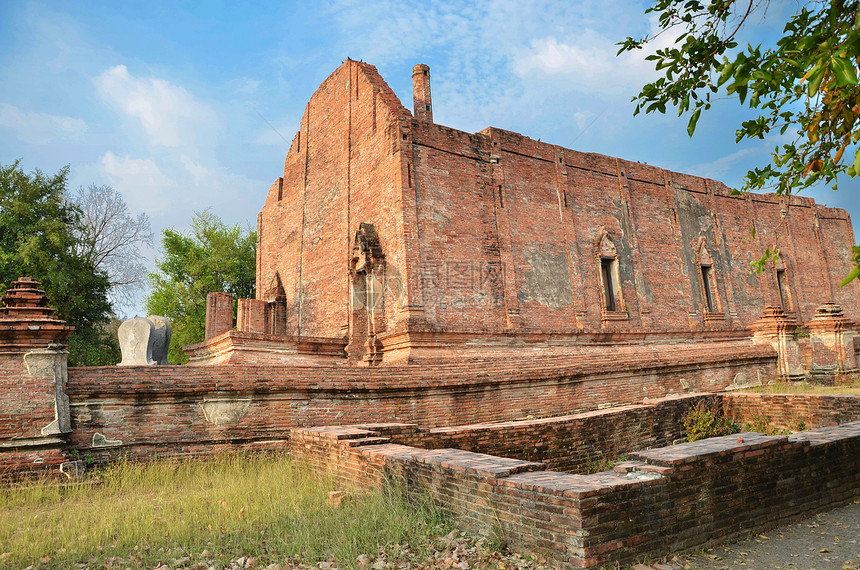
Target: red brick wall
x=219, y=314
x=543, y=224
x=27, y=394
x=579, y=443
x=837, y=256
x=494, y=232
x=786, y=410
x=149, y=407
x=662, y=501
x=23, y=463
x=576, y=443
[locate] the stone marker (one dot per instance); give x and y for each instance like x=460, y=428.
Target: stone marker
x=134, y=342
x=144, y=342
x=160, y=338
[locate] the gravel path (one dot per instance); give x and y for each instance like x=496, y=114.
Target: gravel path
x=826, y=541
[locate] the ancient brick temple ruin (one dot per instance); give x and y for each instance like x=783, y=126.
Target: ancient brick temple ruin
x=540, y=309
x=391, y=239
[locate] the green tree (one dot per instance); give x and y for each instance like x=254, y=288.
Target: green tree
x=214, y=257
x=806, y=84
x=39, y=231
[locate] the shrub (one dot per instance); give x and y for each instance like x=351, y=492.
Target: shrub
x=703, y=421
x=762, y=424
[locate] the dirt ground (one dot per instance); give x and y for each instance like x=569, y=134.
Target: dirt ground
x=825, y=541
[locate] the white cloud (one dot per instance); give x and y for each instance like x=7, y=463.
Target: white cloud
x=169, y=114
x=549, y=56
x=504, y=63
x=589, y=61
x=197, y=170
x=717, y=168
x=40, y=128
x=144, y=185
x=583, y=119
x=243, y=85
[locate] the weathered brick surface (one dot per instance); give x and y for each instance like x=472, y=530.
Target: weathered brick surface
x=663, y=500
x=34, y=413
x=32, y=461
x=219, y=314
x=145, y=407
x=786, y=410
x=492, y=237
x=28, y=393
x=576, y=443
x=344, y=168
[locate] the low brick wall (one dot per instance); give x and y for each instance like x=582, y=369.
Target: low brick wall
x=576, y=443
x=661, y=501
x=579, y=443
x=787, y=410
x=172, y=410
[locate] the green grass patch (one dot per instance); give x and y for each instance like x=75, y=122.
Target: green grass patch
x=207, y=510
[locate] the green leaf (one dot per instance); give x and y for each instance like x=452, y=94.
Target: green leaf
x=691, y=126
x=852, y=275
x=742, y=92
x=726, y=72
x=815, y=76
x=844, y=71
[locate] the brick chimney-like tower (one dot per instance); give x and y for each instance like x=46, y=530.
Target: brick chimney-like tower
x=421, y=93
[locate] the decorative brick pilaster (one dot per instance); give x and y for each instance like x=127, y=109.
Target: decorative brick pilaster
x=252, y=316
x=831, y=337
x=33, y=404
x=778, y=329
x=219, y=314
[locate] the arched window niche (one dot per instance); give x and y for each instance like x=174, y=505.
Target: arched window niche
x=783, y=287
x=276, y=322
x=711, y=302
x=611, y=299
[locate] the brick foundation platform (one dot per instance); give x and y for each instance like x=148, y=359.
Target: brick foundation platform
x=658, y=501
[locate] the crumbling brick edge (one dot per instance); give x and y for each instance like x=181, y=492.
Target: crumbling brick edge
x=660, y=501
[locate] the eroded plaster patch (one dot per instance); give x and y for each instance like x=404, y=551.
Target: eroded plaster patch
x=547, y=280
x=40, y=363
x=49, y=364
x=221, y=412
x=99, y=440
x=742, y=381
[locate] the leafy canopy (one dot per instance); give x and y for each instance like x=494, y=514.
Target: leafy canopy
x=214, y=257
x=40, y=238
x=805, y=85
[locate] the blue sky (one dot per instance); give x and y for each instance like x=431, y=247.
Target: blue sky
x=168, y=102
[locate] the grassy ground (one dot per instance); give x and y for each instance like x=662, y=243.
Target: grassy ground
x=183, y=513
x=852, y=387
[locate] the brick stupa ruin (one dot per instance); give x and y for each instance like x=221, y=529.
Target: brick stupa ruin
x=391, y=239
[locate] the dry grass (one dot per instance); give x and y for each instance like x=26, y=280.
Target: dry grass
x=208, y=510
x=851, y=388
